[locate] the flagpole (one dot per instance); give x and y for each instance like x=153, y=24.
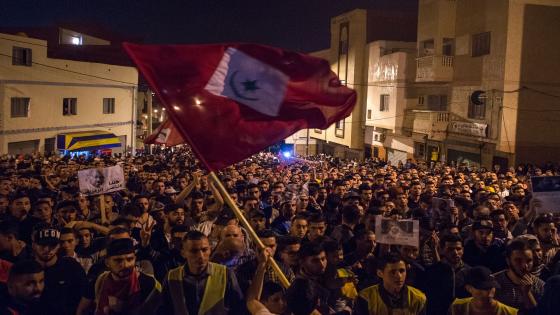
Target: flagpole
x=227, y=198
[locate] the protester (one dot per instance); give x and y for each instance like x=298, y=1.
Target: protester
x=25, y=285
x=316, y=215
x=122, y=289
x=184, y=288
x=392, y=294
x=482, y=287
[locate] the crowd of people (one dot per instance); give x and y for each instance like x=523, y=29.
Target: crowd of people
x=169, y=243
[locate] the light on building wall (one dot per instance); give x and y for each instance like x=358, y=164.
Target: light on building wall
x=163, y=109
x=76, y=40
x=145, y=116
x=197, y=101
x=155, y=110
x=175, y=107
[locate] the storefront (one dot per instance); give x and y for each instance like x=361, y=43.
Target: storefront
x=87, y=142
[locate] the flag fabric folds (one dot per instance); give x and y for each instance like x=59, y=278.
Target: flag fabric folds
x=229, y=101
x=166, y=134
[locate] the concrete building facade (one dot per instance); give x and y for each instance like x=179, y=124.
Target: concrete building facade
x=477, y=86
x=41, y=97
x=494, y=65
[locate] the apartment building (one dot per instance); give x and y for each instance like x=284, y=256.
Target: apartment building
x=489, y=93
x=43, y=98
x=349, y=54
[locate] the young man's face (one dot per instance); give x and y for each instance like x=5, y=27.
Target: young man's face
x=197, y=254
x=121, y=266
x=258, y=223
x=483, y=237
x=276, y=303
x=315, y=265
x=453, y=252
x=43, y=212
x=299, y=228
x=545, y=232
x=143, y=203
x=521, y=262
x=68, y=243
x=85, y=238
x=289, y=255
x=393, y=276
x=317, y=229
x=176, y=217
x=45, y=253
x=270, y=242
x=20, y=207
x=28, y=287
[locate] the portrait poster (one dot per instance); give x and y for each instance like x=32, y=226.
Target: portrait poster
x=96, y=181
x=397, y=232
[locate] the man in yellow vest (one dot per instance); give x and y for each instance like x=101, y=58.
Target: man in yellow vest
x=200, y=286
x=123, y=289
x=482, y=286
x=392, y=296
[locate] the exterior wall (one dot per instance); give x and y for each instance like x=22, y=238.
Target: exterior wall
x=520, y=123
x=353, y=74
x=389, y=74
x=532, y=61
x=47, y=81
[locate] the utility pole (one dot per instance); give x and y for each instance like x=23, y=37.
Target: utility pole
x=150, y=113
x=307, y=144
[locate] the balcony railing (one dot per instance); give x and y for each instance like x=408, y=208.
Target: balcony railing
x=431, y=123
x=434, y=68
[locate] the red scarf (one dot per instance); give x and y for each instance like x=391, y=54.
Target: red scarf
x=119, y=296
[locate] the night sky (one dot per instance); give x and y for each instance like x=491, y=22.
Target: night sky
x=301, y=25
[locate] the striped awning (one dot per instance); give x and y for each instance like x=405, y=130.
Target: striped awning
x=87, y=141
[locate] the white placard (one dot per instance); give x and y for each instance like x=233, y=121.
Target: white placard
x=95, y=181
x=547, y=190
x=397, y=232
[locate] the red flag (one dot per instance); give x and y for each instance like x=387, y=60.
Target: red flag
x=232, y=101
x=166, y=133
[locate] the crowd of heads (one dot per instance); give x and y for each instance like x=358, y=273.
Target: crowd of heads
x=316, y=217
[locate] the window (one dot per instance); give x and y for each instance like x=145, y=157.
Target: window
x=19, y=107
x=369, y=114
x=108, y=106
x=419, y=149
x=70, y=106
x=481, y=44
x=477, y=108
x=21, y=56
x=448, y=47
x=421, y=100
x=427, y=48
x=384, y=103
x=437, y=102
x=339, y=129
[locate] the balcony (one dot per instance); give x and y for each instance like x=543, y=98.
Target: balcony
x=431, y=123
x=434, y=69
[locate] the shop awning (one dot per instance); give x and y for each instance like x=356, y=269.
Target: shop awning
x=87, y=141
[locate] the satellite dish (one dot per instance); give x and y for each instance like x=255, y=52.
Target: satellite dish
x=478, y=97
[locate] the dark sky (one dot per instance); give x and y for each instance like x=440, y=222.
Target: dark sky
x=301, y=25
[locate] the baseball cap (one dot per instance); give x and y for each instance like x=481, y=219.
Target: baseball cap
x=482, y=224
x=47, y=236
x=256, y=213
x=121, y=246
x=351, y=195
x=481, y=278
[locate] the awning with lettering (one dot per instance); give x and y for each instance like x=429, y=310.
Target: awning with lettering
x=87, y=141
